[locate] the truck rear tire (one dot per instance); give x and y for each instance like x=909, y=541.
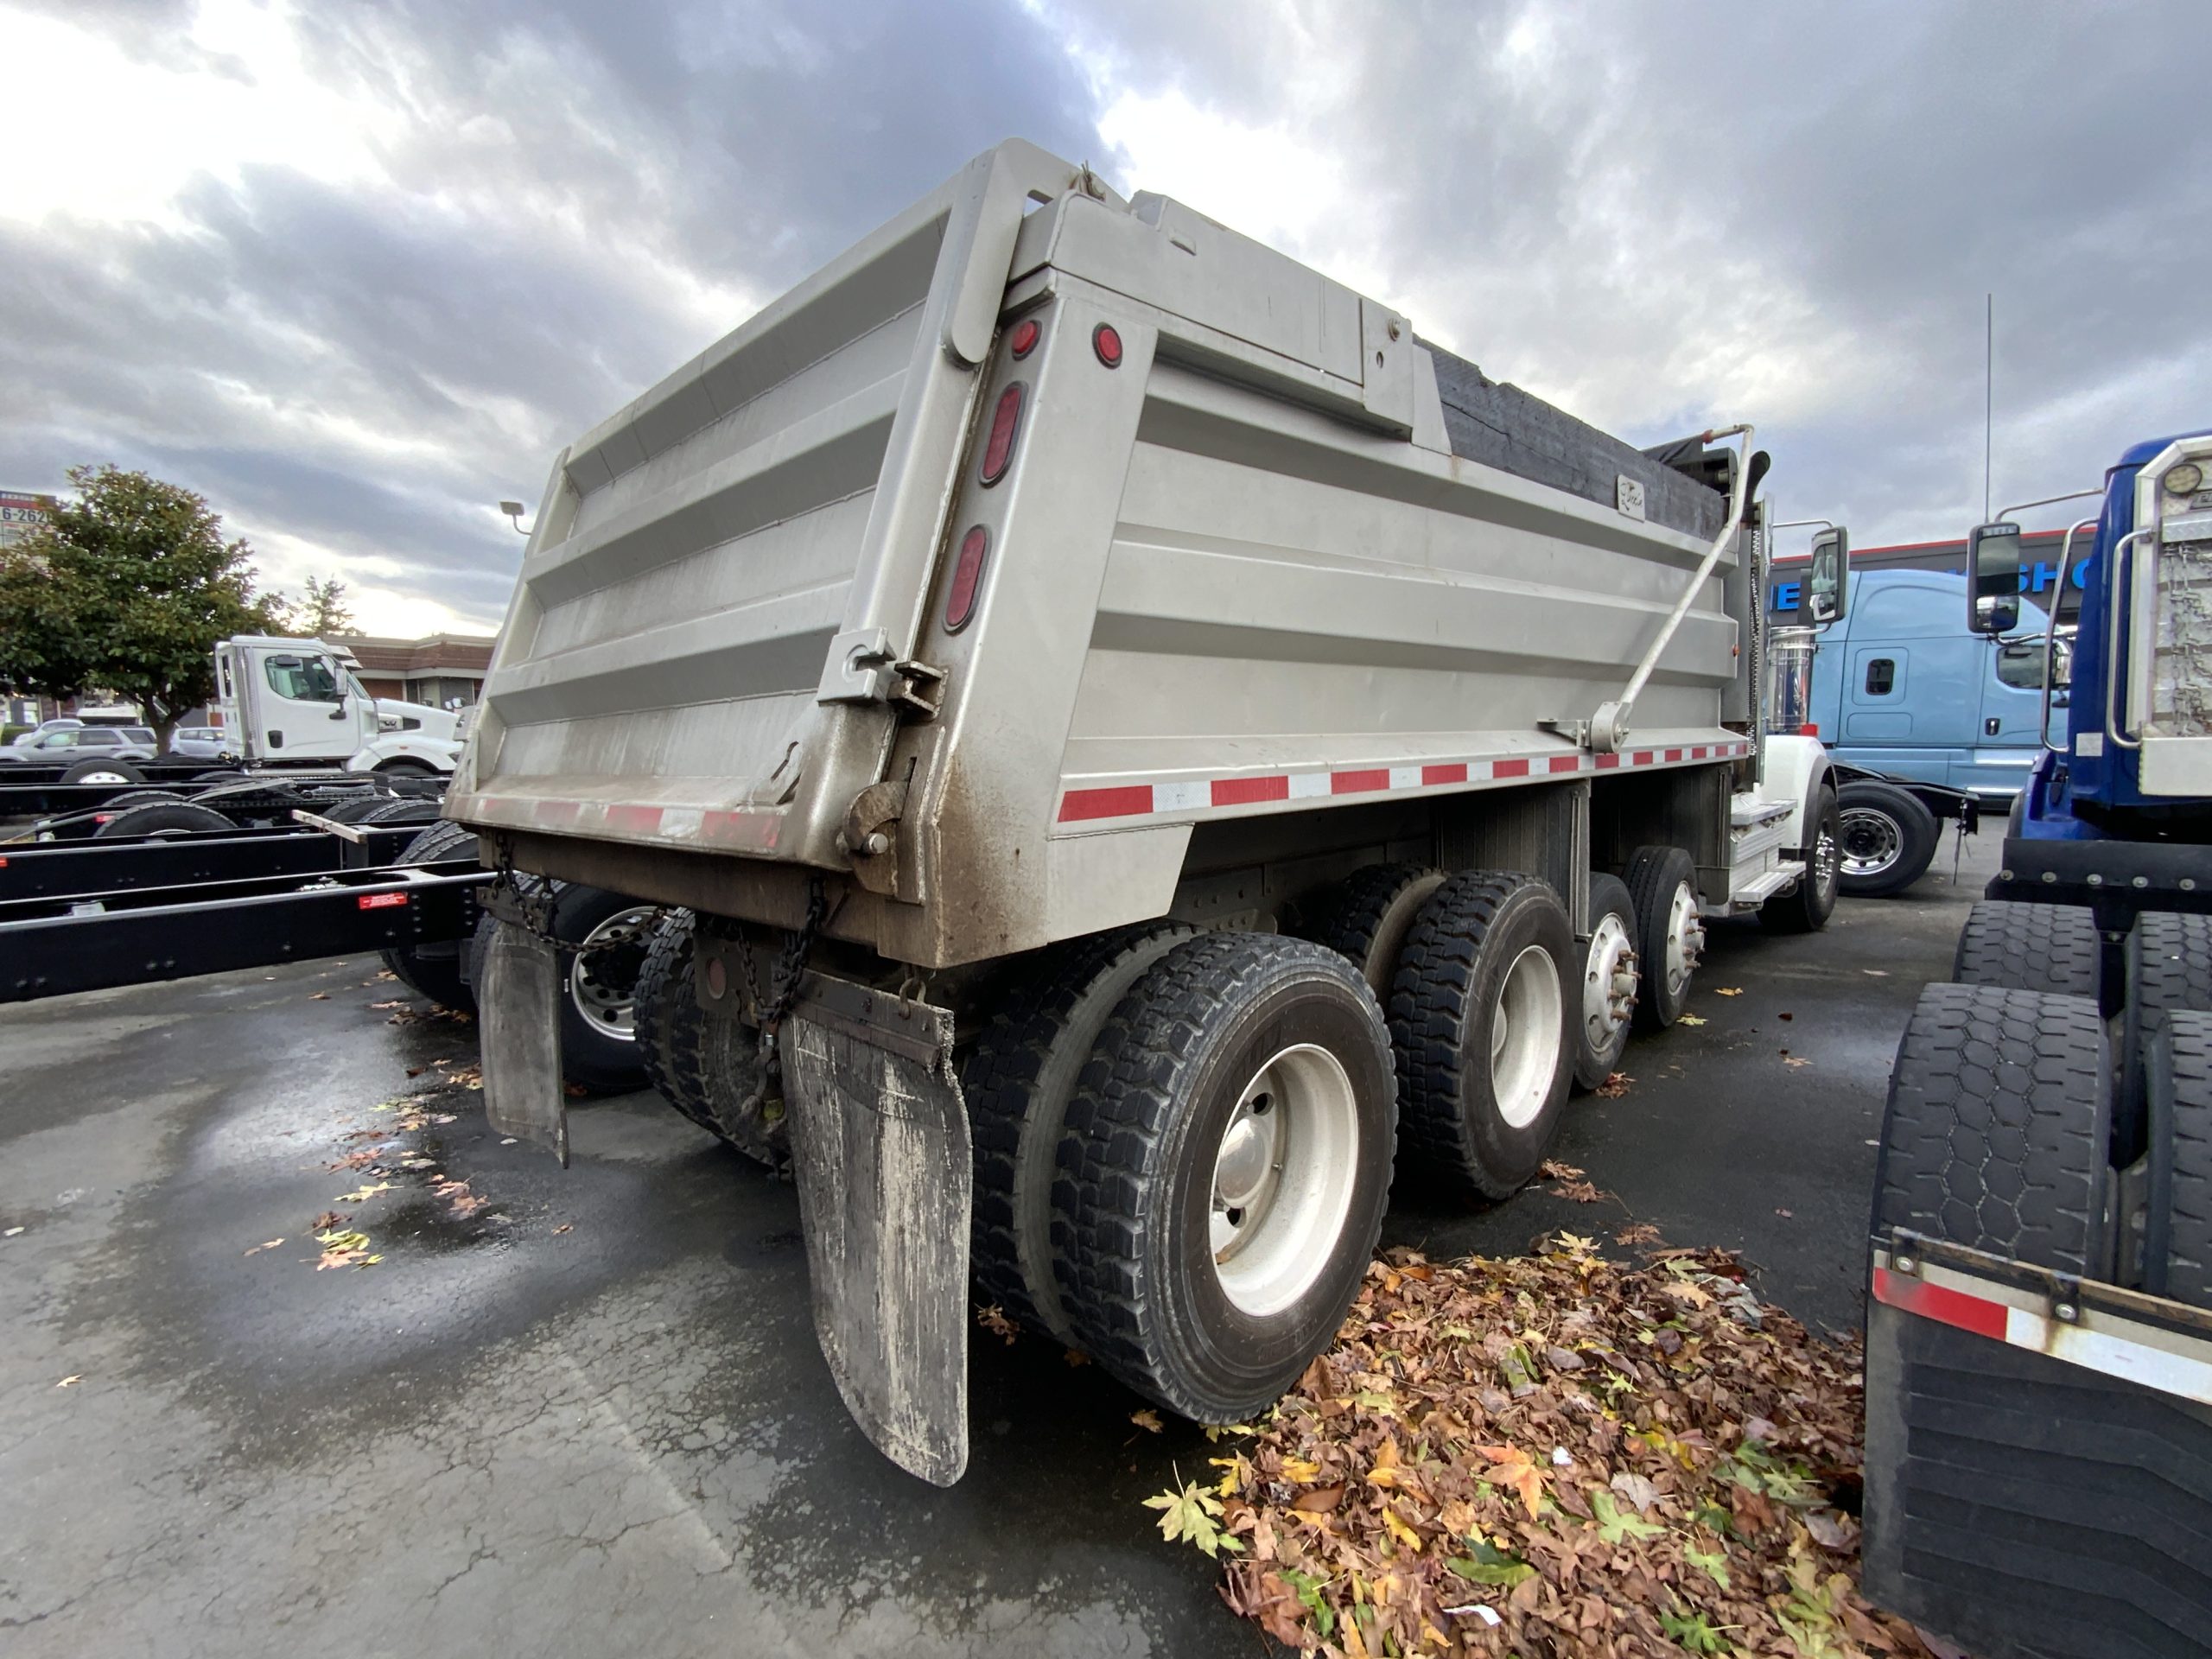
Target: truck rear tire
x=2000, y=1116
x=2167, y=961
x=1609, y=983
x=1886, y=837
x=162, y=817
x=1017, y=1079
x=402, y=812
x=432, y=968
x=1482, y=1032
x=705, y=1065
x=1366, y=916
x=1807, y=907
x=1670, y=932
x=2178, y=1079
x=2053, y=949
x=1224, y=1171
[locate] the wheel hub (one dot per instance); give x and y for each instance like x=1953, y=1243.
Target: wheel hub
x=1525, y=1030
x=1608, y=983
x=1283, y=1175
x=1685, y=938
x=1873, y=840
x=604, y=982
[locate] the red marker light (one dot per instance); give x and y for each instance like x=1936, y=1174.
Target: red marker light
x=1808, y=729
x=967, y=579
x=998, y=450
x=381, y=900
x=1024, y=338
x=1106, y=340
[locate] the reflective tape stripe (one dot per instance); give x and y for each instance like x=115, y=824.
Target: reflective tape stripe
x=2105, y=1352
x=1185, y=795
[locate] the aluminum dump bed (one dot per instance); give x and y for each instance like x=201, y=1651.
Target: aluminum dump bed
x=1042, y=526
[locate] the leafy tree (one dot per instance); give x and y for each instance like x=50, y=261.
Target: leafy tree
x=127, y=588
x=324, y=612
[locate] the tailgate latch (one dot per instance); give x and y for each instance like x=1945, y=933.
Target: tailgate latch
x=863, y=667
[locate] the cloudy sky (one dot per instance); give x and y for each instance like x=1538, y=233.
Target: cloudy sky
x=355, y=271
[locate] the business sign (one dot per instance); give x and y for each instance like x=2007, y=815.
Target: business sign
x=21, y=512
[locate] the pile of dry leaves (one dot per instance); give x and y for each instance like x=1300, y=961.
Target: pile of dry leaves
x=1548, y=1456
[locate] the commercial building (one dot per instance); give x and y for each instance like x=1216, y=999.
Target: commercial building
x=445, y=670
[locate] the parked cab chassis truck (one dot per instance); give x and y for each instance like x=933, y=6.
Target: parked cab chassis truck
x=148, y=885
x=2039, y=1330
x=1150, y=739
x=289, y=705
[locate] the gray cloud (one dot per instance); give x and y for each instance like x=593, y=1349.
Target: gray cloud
x=1657, y=218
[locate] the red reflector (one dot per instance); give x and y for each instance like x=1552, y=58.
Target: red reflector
x=1106, y=340
x=1024, y=338
x=998, y=450
x=966, y=577
x=1808, y=729
x=380, y=900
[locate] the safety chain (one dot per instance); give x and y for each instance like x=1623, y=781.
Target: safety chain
x=533, y=902
x=790, y=968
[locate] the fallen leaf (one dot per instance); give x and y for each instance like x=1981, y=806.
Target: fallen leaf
x=1792, y=1059
x=1786, y=1214
x=1320, y=1501
x=362, y=1195
x=319, y=996
x=1192, y=1515
x=1785, y=1016
x=1552, y=1169
x=1075, y=1356
x=1614, y=1085
x=564, y=1227
x=1146, y=1418
x=328, y=1219
x=1642, y=1232
x=1578, y=1192
x=1689, y=1020
x=994, y=1319
x=270, y=1245
x=70, y=1382
x=417, y=1070
x=1511, y=1466
x=1727, y=990
x=11, y=1232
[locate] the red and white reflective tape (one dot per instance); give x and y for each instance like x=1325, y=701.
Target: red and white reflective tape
x=621, y=821
x=2101, y=1351
x=1195, y=795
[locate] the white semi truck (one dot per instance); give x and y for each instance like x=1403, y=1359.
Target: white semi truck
x=1144, y=744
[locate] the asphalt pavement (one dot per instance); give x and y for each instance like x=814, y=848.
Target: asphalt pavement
x=582, y=1412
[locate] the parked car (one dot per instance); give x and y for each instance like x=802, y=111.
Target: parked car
x=81, y=743
x=24, y=740
x=197, y=742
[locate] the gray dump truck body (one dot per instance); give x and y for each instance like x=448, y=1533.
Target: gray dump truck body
x=1051, y=562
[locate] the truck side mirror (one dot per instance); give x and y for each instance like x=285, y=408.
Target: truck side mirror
x=1993, y=578
x=1827, y=578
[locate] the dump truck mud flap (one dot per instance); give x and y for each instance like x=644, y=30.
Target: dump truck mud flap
x=519, y=1022
x=880, y=1146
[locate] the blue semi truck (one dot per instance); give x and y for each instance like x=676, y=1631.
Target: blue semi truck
x=1927, y=720
x=2039, y=1325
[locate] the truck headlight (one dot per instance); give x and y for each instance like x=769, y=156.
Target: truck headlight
x=2182, y=478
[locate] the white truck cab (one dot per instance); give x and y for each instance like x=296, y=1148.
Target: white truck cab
x=294, y=702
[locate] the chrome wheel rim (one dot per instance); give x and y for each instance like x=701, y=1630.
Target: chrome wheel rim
x=1525, y=1028
x=603, y=984
x=1283, y=1175
x=1873, y=840
x=1685, y=938
x=1608, y=983
x=106, y=778
x=1826, y=859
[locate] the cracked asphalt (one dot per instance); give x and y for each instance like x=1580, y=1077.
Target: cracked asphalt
x=591, y=1417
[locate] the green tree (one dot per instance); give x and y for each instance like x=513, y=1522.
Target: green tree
x=324, y=612
x=126, y=589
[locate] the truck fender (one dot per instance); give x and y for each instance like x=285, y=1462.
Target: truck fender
x=1798, y=769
